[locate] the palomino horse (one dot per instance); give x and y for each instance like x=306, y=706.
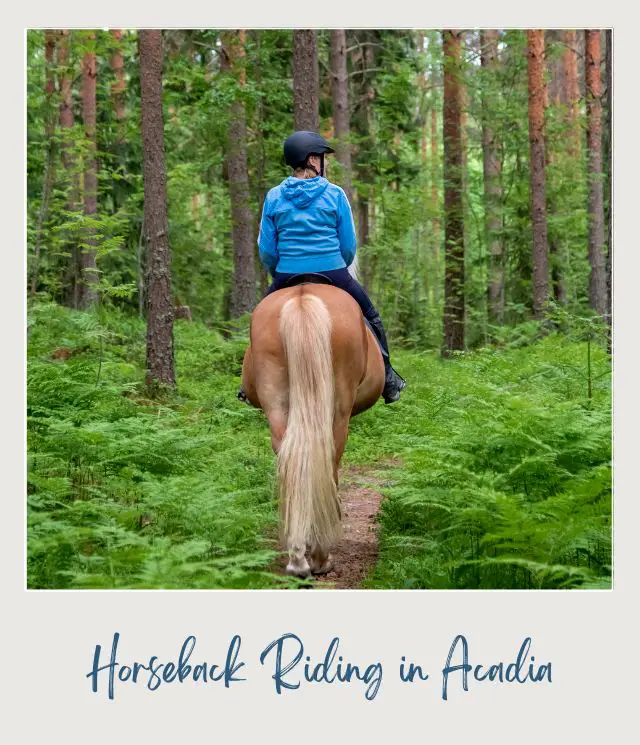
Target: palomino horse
x=312, y=364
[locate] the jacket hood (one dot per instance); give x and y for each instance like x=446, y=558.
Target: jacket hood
x=302, y=191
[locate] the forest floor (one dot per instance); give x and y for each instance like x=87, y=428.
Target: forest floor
x=356, y=554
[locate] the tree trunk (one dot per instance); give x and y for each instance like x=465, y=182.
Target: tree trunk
x=424, y=112
x=50, y=38
x=492, y=167
x=453, y=321
x=464, y=124
x=597, y=277
x=263, y=276
x=306, y=86
x=243, y=298
x=87, y=290
x=159, y=305
x=118, y=88
x=536, y=140
x=554, y=91
x=608, y=168
x=571, y=91
x=340, y=100
x=364, y=59
x=71, y=286
x=435, y=197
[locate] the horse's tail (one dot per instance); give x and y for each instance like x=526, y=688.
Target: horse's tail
x=308, y=493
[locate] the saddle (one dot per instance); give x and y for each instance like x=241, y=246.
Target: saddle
x=308, y=278
x=321, y=279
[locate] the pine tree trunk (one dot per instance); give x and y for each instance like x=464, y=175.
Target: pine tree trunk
x=50, y=38
x=536, y=140
x=435, y=197
x=243, y=298
x=263, y=276
x=424, y=113
x=340, y=100
x=597, y=277
x=363, y=58
x=464, y=124
x=453, y=321
x=492, y=168
x=159, y=305
x=571, y=91
x=553, y=91
x=608, y=168
x=118, y=88
x=71, y=286
x=87, y=286
x=306, y=86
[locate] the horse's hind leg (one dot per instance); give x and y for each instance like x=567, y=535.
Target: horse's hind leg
x=320, y=559
x=297, y=565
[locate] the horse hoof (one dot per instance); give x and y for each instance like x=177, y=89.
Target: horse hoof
x=324, y=569
x=301, y=572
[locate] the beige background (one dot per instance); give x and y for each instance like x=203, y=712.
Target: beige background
x=48, y=638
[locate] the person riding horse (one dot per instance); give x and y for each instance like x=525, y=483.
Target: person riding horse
x=307, y=228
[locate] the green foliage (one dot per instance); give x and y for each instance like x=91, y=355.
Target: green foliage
x=128, y=492
x=506, y=474
x=504, y=478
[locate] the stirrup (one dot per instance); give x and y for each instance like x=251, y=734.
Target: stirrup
x=394, y=383
x=242, y=396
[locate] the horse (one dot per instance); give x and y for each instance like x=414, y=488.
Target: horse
x=312, y=363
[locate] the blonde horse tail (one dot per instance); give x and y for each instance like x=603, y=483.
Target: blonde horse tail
x=308, y=493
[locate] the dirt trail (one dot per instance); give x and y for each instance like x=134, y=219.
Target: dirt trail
x=357, y=552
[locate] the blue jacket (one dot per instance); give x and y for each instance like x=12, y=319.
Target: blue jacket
x=307, y=226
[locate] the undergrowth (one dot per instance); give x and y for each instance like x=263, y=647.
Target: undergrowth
x=504, y=478
x=128, y=492
x=506, y=475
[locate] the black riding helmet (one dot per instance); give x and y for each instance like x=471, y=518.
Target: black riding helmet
x=300, y=145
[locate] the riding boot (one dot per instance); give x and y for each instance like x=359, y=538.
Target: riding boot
x=394, y=383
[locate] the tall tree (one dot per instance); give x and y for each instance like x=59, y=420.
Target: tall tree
x=71, y=284
x=435, y=197
x=65, y=83
x=363, y=60
x=453, y=321
x=118, y=88
x=571, y=89
x=243, y=296
x=340, y=100
x=608, y=166
x=492, y=167
x=89, y=277
x=535, y=38
x=50, y=116
x=597, y=277
x=554, y=92
x=306, y=87
x=160, y=352
x=260, y=118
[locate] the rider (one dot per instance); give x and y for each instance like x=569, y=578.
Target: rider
x=307, y=226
